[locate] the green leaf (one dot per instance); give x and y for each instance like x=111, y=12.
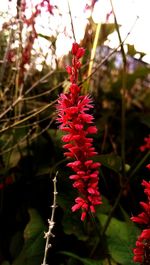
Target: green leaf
x=16, y=244
x=106, y=30
x=71, y=222
x=35, y=225
x=85, y=261
x=121, y=238
x=105, y=207
x=15, y=145
x=131, y=49
x=33, y=249
x=111, y=161
x=146, y=100
x=5, y=262
x=145, y=119
x=56, y=135
x=31, y=254
x=119, y=252
x=112, y=262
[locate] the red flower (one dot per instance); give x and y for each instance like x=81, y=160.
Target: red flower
x=77, y=125
x=142, y=250
x=75, y=47
x=148, y=166
x=146, y=146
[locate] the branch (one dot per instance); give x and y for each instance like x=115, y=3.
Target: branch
x=51, y=223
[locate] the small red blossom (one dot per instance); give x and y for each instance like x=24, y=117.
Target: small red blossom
x=148, y=166
x=142, y=250
x=79, y=54
x=78, y=125
x=75, y=47
x=1, y=186
x=6, y=181
x=145, y=146
x=91, y=5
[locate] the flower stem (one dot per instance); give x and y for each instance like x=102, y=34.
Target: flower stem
x=139, y=165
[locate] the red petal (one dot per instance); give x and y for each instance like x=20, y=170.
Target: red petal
x=92, y=129
x=69, y=69
x=83, y=215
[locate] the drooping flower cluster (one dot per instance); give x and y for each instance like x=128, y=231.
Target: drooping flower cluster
x=77, y=125
x=145, y=146
x=32, y=34
x=28, y=25
x=142, y=250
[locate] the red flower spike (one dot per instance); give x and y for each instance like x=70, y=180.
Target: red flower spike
x=142, y=250
x=77, y=124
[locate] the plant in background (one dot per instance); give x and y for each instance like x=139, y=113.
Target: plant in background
x=77, y=124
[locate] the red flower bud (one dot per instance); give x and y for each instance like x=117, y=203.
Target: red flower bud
x=148, y=166
x=74, y=89
x=80, y=53
x=69, y=69
x=78, y=64
x=75, y=47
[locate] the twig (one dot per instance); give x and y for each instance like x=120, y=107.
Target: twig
x=111, y=53
x=21, y=97
x=4, y=62
x=71, y=22
x=11, y=107
x=51, y=223
x=39, y=81
x=28, y=117
x=123, y=111
x=124, y=181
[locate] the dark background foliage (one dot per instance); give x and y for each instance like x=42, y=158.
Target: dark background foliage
x=31, y=153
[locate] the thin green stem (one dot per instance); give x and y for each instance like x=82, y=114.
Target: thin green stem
x=93, y=51
x=29, y=117
x=139, y=165
x=123, y=107
x=121, y=191
x=112, y=211
x=123, y=119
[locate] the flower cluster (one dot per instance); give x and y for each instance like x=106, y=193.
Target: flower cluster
x=32, y=34
x=146, y=146
x=142, y=250
x=77, y=125
x=28, y=24
x=5, y=181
